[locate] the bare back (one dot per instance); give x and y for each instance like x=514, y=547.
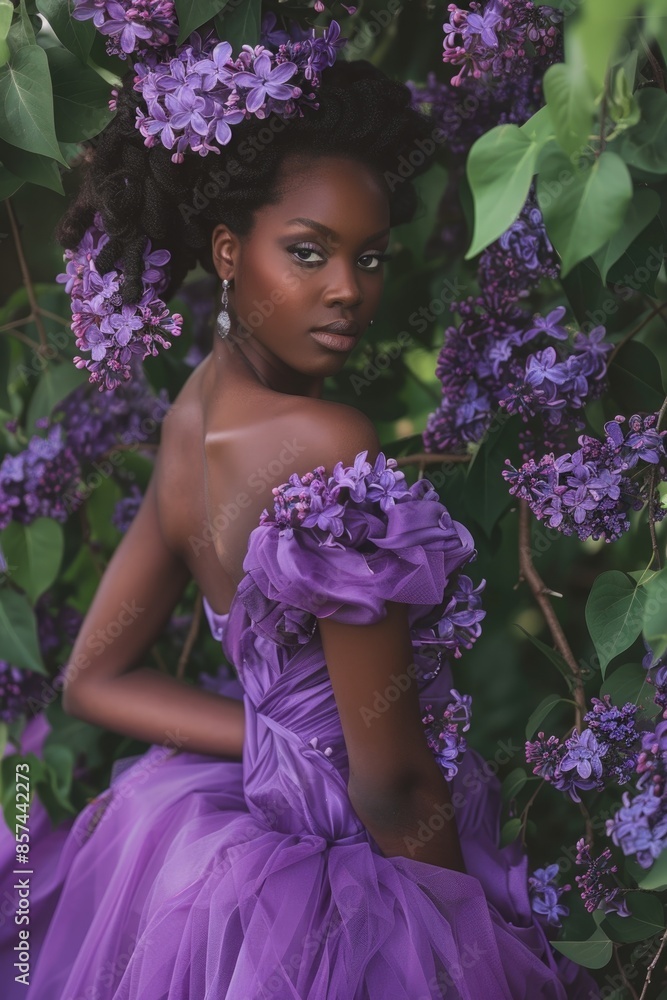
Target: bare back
x=221, y=453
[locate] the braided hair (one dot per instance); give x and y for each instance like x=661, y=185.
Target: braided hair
x=140, y=192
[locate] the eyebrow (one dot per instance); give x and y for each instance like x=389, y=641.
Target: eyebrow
x=330, y=232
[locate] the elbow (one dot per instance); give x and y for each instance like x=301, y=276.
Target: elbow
x=72, y=702
x=383, y=798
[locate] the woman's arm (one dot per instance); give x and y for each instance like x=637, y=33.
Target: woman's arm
x=395, y=785
x=105, y=682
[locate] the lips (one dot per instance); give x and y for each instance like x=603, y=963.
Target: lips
x=342, y=327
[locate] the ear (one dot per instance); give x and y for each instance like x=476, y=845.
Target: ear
x=224, y=247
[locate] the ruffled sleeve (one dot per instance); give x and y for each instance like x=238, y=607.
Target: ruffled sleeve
x=339, y=546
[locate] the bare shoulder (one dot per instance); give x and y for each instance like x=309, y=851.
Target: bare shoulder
x=334, y=432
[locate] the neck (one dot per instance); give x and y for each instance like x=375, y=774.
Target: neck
x=247, y=360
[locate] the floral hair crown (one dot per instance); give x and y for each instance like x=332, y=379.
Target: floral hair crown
x=194, y=94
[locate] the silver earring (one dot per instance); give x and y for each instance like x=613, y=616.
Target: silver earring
x=371, y=322
x=223, y=323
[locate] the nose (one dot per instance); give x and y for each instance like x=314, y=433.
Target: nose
x=343, y=284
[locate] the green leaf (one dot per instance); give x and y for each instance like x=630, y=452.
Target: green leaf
x=80, y=97
x=646, y=919
x=614, y=614
x=640, y=265
x=486, y=501
x=100, y=506
x=645, y=145
x=656, y=876
x=655, y=614
x=510, y=831
x=240, y=25
x=592, y=954
x=539, y=714
x=628, y=683
x=582, y=208
x=643, y=207
x=26, y=103
x=55, y=382
x=9, y=183
x=599, y=31
x=500, y=169
x=551, y=654
x=193, y=15
x=21, y=32
x=570, y=102
x=33, y=552
x=539, y=128
x=8, y=771
x=18, y=629
x=635, y=380
x=31, y=167
x=513, y=783
x=77, y=36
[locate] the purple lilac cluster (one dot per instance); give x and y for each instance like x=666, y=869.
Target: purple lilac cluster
x=498, y=83
x=314, y=501
x=95, y=425
x=17, y=688
x=500, y=37
x=113, y=332
x=607, y=750
x=35, y=482
x=131, y=25
x=442, y=734
x=194, y=97
x=502, y=356
x=639, y=827
x=590, y=491
x=126, y=509
x=57, y=623
x=545, y=895
x=42, y=480
x=597, y=885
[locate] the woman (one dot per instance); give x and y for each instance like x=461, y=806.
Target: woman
x=301, y=840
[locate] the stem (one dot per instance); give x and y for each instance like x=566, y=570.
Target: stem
x=603, y=115
x=626, y=982
x=655, y=65
x=534, y=580
x=27, y=280
x=649, y=971
x=191, y=636
x=656, y=561
x=524, y=812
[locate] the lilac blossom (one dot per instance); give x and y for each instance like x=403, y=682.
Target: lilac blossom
x=588, y=492
x=496, y=37
x=35, y=482
x=126, y=509
x=442, y=733
x=545, y=895
x=597, y=885
x=95, y=424
x=18, y=689
x=112, y=332
x=131, y=26
x=195, y=96
x=326, y=506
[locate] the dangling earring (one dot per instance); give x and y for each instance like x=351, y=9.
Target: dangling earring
x=371, y=322
x=223, y=323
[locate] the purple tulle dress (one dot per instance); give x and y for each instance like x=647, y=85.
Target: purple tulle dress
x=195, y=877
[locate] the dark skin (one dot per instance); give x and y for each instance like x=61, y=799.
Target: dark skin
x=249, y=416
